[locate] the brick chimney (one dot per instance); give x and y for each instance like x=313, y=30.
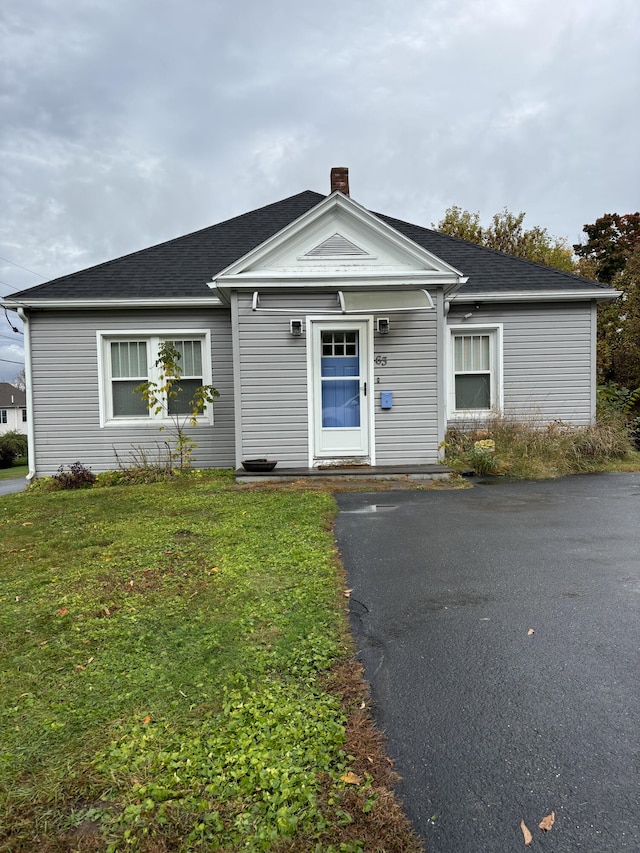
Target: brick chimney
x=340, y=179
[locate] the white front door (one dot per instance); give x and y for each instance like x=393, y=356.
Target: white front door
x=340, y=389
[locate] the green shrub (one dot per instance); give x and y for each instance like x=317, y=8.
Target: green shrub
x=12, y=445
x=7, y=456
x=613, y=400
x=16, y=440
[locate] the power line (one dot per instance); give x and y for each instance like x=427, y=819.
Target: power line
x=12, y=286
x=13, y=328
x=11, y=361
x=26, y=269
x=8, y=337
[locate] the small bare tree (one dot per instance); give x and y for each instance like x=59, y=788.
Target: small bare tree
x=158, y=394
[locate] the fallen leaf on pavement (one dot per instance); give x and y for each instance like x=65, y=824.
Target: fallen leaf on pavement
x=530, y=632
x=347, y=593
x=547, y=822
x=528, y=838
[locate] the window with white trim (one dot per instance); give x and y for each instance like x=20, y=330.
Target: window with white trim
x=24, y=416
x=127, y=360
x=3, y=416
x=475, y=370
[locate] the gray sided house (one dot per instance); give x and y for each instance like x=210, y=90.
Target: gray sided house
x=334, y=335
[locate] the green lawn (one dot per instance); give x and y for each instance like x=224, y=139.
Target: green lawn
x=166, y=652
x=14, y=473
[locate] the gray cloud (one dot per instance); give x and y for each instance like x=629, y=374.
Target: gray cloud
x=124, y=124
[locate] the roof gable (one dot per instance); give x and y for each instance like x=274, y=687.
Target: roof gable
x=338, y=239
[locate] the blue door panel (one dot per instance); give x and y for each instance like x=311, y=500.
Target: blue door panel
x=340, y=392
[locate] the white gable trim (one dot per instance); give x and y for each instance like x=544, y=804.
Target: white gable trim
x=250, y=269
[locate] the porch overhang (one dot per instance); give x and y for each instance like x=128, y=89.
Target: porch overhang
x=361, y=302
x=374, y=301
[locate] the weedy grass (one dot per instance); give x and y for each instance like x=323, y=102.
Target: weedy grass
x=531, y=450
x=168, y=652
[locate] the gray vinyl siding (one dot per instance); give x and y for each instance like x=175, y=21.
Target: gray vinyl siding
x=548, y=352
x=66, y=391
x=272, y=378
x=408, y=432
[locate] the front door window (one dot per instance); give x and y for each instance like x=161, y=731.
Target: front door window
x=340, y=378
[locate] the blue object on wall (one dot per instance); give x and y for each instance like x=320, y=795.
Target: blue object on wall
x=386, y=399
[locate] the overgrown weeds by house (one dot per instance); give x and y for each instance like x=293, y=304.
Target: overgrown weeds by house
x=530, y=450
x=176, y=676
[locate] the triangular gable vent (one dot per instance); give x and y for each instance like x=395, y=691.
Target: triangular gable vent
x=335, y=245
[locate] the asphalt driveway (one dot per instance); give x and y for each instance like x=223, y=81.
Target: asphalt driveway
x=10, y=486
x=488, y=723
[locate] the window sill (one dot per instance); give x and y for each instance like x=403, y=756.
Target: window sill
x=156, y=422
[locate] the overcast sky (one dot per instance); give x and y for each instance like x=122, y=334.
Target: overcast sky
x=124, y=123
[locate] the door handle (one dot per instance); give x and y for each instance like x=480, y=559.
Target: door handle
x=365, y=389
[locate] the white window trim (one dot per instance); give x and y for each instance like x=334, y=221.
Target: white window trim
x=153, y=337
x=495, y=332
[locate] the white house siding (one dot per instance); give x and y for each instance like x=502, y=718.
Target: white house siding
x=548, y=352
x=66, y=395
x=272, y=376
x=14, y=420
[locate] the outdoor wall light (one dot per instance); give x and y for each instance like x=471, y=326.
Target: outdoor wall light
x=382, y=325
x=295, y=327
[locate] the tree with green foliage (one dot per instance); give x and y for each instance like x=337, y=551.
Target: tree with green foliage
x=611, y=254
x=612, y=240
x=157, y=396
x=619, y=328
x=506, y=233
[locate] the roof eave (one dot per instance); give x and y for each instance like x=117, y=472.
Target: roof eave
x=597, y=294
x=135, y=302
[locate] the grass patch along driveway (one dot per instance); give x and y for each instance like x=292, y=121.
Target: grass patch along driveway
x=14, y=472
x=167, y=656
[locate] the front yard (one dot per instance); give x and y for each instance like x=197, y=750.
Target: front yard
x=178, y=675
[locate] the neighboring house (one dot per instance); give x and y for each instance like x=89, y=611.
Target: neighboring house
x=13, y=409
x=333, y=334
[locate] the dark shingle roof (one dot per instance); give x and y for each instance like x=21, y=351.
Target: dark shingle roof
x=489, y=270
x=10, y=396
x=182, y=267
